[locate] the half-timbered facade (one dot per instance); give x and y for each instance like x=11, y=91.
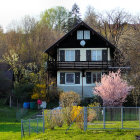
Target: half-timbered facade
x=79, y=59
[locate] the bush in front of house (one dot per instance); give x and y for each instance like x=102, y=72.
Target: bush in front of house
x=77, y=115
x=68, y=99
x=53, y=118
x=92, y=113
x=58, y=115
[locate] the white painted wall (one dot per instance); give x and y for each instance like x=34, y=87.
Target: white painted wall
x=83, y=52
x=84, y=78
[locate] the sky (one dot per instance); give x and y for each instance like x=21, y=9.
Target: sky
x=15, y=10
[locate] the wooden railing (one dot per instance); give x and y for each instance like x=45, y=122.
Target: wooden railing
x=79, y=65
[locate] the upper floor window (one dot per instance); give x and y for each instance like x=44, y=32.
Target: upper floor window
x=86, y=34
x=70, y=55
x=83, y=34
x=96, y=55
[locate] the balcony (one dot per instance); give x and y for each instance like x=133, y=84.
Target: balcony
x=56, y=65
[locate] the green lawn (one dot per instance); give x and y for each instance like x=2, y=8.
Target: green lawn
x=10, y=129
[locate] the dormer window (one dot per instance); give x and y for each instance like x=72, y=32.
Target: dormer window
x=83, y=34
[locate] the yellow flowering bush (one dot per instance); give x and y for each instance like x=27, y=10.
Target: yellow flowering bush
x=39, y=91
x=75, y=112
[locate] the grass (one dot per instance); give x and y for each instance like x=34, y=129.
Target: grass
x=10, y=129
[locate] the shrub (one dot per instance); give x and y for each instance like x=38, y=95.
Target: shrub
x=58, y=115
x=92, y=114
x=49, y=119
x=78, y=116
x=67, y=115
x=53, y=94
x=53, y=118
x=90, y=100
x=68, y=99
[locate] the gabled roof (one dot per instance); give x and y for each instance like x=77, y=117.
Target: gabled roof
x=71, y=31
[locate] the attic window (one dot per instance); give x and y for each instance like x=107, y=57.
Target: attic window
x=83, y=34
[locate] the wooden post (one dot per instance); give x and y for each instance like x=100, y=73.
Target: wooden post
x=10, y=102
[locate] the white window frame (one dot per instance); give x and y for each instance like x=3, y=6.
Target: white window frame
x=70, y=57
x=83, y=34
x=86, y=34
x=80, y=34
x=96, y=56
x=66, y=77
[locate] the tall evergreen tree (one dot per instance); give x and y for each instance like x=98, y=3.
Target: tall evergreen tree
x=76, y=14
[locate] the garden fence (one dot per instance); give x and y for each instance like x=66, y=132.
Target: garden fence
x=111, y=118
x=93, y=118
x=33, y=125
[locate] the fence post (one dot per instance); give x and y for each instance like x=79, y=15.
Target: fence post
x=37, y=125
x=21, y=129
x=85, y=118
x=122, y=116
x=104, y=116
x=139, y=117
x=29, y=127
x=43, y=122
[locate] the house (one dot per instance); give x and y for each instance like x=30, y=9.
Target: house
x=79, y=59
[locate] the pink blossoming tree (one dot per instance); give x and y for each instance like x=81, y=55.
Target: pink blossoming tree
x=112, y=89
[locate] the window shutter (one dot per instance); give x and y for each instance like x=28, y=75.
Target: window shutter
x=77, y=77
x=94, y=78
x=88, y=77
x=62, y=55
x=62, y=78
x=77, y=55
x=104, y=55
x=88, y=55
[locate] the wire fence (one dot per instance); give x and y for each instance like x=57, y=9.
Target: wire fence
x=112, y=118
x=87, y=118
x=33, y=125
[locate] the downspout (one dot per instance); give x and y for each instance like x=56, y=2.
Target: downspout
x=82, y=84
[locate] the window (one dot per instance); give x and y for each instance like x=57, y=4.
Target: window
x=86, y=34
x=96, y=55
x=69, y=55
x=80, y=34
x=93, y=77
x=83, y=34
x=70, y=78
x=96, y=76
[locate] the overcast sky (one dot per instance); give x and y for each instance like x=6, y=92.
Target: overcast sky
x=16, y=9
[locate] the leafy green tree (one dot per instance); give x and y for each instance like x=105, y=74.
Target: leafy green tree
x=55, y=18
